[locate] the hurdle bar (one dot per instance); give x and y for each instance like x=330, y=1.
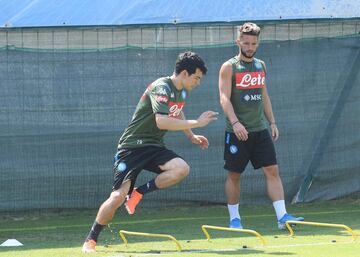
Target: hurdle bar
x=123, y=232
x=248, y=231
x=319, y=224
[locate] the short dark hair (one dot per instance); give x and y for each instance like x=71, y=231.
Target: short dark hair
x=249, y=28
x=189, y=61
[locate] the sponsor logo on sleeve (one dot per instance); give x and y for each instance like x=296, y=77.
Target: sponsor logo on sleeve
x=161, y=99
x=250, y=80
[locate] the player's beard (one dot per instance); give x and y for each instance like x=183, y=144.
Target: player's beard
x=247, y=55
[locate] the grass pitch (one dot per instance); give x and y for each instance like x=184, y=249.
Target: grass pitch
x=61, y=233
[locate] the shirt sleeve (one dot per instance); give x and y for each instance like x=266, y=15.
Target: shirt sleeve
x=159, y=97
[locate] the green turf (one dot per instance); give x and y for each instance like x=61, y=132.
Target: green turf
x=61, y=233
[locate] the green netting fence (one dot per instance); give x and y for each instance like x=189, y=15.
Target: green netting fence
x=68, y=93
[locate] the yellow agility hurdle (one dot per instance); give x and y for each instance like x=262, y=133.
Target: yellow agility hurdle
x=348, y=229
x=248, y=231
x=123, y=232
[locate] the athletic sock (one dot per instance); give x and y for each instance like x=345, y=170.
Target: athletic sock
x=234, y=211
x=280, y=209
x=148, y=187
x=95, y=231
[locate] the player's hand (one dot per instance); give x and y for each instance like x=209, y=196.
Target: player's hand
x=200, y=140
x=240, y=131
x=274, y=132
x=206, y=117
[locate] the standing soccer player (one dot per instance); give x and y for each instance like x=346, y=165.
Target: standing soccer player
x=141, y=145
x=246, y=104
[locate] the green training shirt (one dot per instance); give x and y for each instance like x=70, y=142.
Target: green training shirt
x=160, y=97
x=247, y=84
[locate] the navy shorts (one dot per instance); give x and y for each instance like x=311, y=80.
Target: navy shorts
x=258, y=148
x=129, y=162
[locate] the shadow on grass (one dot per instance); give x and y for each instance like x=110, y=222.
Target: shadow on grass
x=236, y=252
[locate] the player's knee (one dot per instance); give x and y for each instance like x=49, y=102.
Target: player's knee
x=117, y=198
x=183, y=170
x=234, y=176
x=272, y=171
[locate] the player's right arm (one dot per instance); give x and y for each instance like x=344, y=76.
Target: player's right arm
x=159, y=97
x=225, y=77
x=165, y=122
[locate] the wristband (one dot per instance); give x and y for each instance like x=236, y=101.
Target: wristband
x=232, y=124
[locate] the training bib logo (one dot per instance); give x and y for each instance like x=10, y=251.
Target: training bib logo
x=250, y=80
x=175, y=108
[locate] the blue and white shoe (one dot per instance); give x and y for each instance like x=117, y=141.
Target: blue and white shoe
x=236, y=223
x=287, y=217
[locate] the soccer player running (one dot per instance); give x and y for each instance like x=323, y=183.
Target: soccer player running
x=246, y=104
x=141, y=145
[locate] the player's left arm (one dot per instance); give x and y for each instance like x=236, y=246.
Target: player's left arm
x=200, y=140
x=270, y=115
